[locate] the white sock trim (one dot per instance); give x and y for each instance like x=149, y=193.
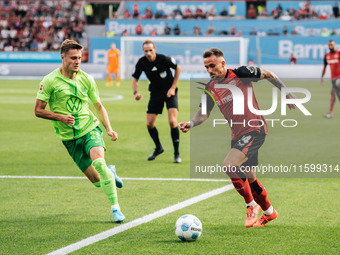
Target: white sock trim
x=252, y=203
x=115, y=207
x=269, y=211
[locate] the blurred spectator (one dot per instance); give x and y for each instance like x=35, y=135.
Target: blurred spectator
x=292, y=60
x=336, y=11
x=323, y=15
x=139, y=29
x=177, y=30
x=125, y=33
x=126, y=14
x=294, y=32
x=324, y=32
x=153, y=32
x=276, y=32
x=197, y=30
x=261, y=33
x=167, y=30
x=251, y=12
x=233, y=31
x=333, y=33
x=178, y=11
x=135, y=10
x=148, y=13
x=160, y=14
x=85, y=56
x=224, y=32
x=232, y=9
x=285, y=30
x=212, y=12
x=251, y=62
x=270, y=32
x=88, y=10
x=253, y=31
x=262, y=10
x=224, y=12
x=199, y=14
x=211, y=30
x=187, y=14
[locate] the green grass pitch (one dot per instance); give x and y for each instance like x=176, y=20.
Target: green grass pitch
x=38, y=216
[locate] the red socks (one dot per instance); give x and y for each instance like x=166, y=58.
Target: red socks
x=260, y=195
x=240, y=182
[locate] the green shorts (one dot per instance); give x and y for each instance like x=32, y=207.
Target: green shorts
x=79, y=149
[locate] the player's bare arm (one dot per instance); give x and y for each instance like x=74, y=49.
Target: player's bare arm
x=273, y=79
x=196, y=120
x=41, y=112
x=104, y=118
x=135, y=89
x=323, y=74
x=172, y=90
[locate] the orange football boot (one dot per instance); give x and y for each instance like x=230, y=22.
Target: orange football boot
x=265, y=219
x=252, y=213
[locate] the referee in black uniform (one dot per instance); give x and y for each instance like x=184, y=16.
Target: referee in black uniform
x=163, y=88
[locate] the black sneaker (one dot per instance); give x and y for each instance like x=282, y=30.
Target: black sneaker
x=177, y=159
x=155, y=153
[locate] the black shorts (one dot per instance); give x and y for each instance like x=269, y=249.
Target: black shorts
x=249, y=144
x=156, y=103
x=336, y=84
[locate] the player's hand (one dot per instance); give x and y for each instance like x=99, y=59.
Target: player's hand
x=68, y=119
x=138, y=96
x=171, y=92
x=113, y=134
x=184, y=126
x=291, y=96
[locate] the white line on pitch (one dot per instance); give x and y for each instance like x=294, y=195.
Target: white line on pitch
x=124, y=178
x=147, y=218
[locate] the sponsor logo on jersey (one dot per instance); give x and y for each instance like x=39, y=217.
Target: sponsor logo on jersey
x=41, y=88
x=154, y=69
x=252, y=70
x=74, y=105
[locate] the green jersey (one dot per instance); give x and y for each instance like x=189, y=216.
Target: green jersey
x=70, y=97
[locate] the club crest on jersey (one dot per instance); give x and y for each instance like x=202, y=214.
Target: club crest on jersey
x=41, y=88
x=163, y=74
x=74, y=105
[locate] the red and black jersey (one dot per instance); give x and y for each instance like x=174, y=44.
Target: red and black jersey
x=333, y=59
x=242, y=78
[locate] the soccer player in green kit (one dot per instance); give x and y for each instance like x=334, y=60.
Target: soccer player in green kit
x=67, y=90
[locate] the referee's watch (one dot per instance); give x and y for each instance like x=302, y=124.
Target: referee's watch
x=135, y=92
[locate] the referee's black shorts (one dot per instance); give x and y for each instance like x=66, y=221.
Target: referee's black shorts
x=156, y=103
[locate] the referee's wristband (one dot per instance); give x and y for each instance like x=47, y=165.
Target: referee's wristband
x=191, y=123
x=135, y=92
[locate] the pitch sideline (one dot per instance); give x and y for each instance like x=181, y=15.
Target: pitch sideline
x=124, y=178
x=147, y=218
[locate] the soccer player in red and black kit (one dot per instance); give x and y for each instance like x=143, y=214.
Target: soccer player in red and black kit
x=333, y=59
x=163, y=89
x=246, y=140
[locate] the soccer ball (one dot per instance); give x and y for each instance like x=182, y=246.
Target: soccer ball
x=188, y=228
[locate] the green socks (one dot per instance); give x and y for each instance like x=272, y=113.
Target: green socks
x=96, y=184
x=107, y=180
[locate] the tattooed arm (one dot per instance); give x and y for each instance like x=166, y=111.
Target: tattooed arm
x=273, y=79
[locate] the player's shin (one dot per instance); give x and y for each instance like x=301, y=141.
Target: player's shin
x=107, y=180
x=240, y=182
x=260, y=195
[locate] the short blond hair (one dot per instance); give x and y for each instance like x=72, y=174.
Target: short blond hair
x=69, y=45
x=149, y=42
